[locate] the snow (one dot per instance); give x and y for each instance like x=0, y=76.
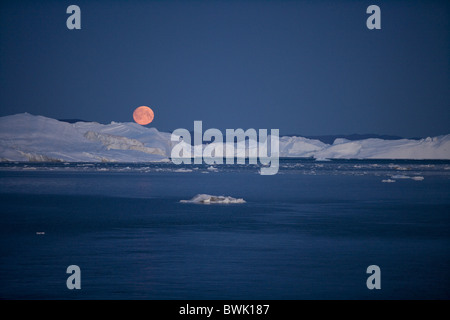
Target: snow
x=26, y=137
x=209, y=199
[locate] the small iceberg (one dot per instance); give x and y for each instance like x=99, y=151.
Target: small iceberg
x=388, y=180
x=399, y=176
x=182, y=170
x=417, y=178
x=209, y=199
x=322, y=159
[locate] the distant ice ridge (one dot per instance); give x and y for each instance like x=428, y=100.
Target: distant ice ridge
x=25, y=137
x=209, y=199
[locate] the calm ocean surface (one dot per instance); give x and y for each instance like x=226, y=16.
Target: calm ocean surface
x=309, y=232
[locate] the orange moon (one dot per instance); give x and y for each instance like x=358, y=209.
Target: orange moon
x=143, y=115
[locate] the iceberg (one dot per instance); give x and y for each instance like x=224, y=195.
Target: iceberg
x=401, y=176
x=182, y=170
x=209, y=199
x=424, y=149
x=26, y=137
x=300, y=147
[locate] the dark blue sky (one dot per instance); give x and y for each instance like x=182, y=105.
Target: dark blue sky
x=305, y=67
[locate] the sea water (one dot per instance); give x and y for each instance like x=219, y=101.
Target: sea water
x=308, y=232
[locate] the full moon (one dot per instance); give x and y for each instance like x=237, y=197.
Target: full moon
x=143, y=115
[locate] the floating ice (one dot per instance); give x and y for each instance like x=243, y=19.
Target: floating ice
x=399, y=176
x=209, y=199
x=388, y=180
x=182, y=170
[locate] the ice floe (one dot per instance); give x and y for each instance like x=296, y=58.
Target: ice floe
x=210, y=199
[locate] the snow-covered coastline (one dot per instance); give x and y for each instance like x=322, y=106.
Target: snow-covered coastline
x=26, y=137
